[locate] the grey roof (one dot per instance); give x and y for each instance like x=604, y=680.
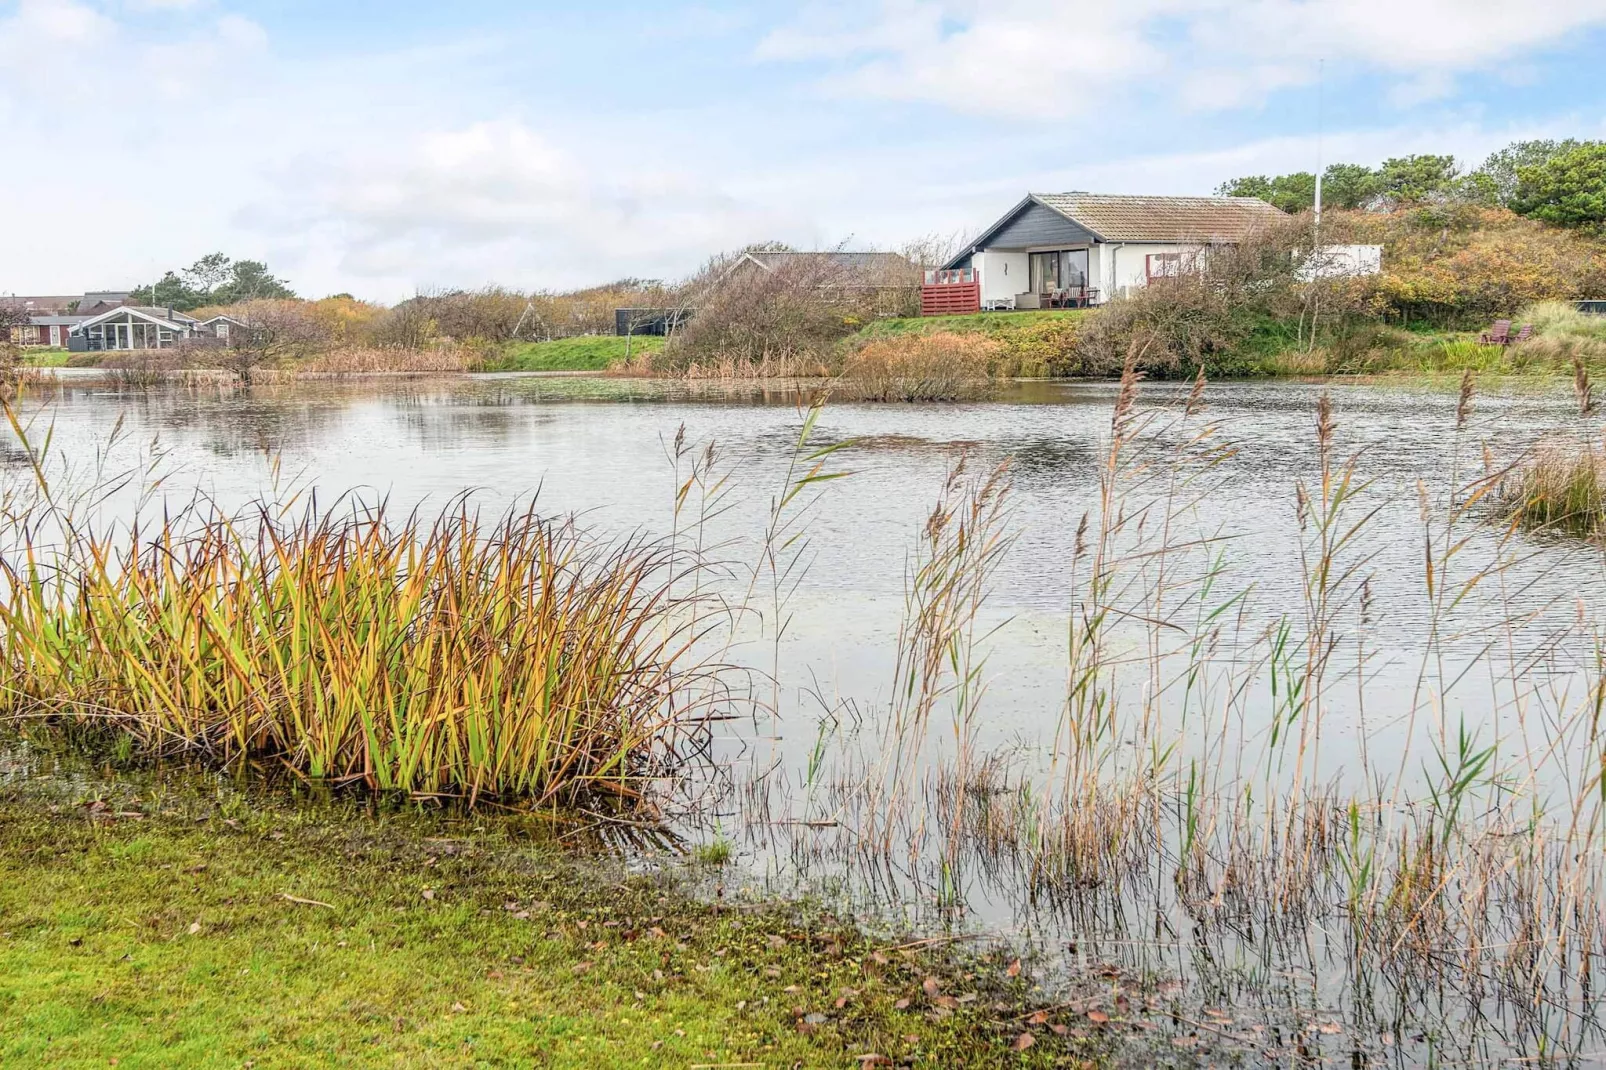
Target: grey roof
x=844, y=260
x=56, y=321
x=43, y=305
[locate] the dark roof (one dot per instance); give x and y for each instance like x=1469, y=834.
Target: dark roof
x=1163, y=219
x=846, y=261
x=41, y=305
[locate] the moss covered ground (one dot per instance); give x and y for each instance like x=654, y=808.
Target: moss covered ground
x=132, y=936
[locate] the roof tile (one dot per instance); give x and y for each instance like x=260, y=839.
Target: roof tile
x=1164, y=219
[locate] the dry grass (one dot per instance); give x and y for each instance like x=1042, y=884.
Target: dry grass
x=369, y=360
x=1561, y=488
x=944, y=366
x=1186, y=815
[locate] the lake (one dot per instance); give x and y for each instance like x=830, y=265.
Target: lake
x=1414, y=680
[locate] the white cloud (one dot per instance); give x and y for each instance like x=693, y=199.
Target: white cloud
x=1049, y=58
x=499, y=201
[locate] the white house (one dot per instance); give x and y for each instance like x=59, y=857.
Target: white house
x=132, y=327
x=1069, y=249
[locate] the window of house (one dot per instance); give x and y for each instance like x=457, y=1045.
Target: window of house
x=1164, y=265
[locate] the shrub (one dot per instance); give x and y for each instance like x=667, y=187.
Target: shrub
x=921, y=367
x=796, y=309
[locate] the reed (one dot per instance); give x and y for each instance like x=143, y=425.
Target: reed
x=1561, y=488
x=945, y=366
x=463, y=656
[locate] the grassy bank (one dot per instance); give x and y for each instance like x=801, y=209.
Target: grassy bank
x=590, y=354
x=287, y=939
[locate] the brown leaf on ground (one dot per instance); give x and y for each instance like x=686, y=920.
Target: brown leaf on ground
x=1014, y=969
x=931, y=986
x=901, y=1005
x=1059, y=1030
x=1097, y=1016
x=1024, y=1041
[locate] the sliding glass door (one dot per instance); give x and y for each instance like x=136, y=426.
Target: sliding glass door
x=1064, y=269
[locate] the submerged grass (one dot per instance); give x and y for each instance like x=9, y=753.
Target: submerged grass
x=460, y=656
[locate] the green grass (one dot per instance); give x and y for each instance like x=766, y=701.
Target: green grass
x=982, y=323
x=170, y=940
x=45, y=358
x=589, y=354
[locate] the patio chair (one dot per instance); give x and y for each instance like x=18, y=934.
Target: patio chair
x=1498, y=335
x=1523, y=335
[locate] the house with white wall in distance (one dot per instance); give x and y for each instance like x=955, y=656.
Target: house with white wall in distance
x=1070, y=250
x=132, y=327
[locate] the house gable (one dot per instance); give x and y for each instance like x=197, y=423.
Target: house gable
x=1030, y=224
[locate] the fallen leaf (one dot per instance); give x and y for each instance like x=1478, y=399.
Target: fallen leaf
x=1097, y=1016
x=1014, y=969
x=946, y=1003
x=429, y=893
x=901, y=1005
x=931, y=986
x=1038, y=1019
x=1024, y=1041
x=195, y=927
x=1059, y=1030
x=1330, y=1028
x=458, y=1008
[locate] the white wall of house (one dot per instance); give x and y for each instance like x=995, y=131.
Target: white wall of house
x=1003, y=274
x=1124, y=267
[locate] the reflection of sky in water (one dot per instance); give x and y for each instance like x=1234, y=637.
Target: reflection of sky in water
x=599, y=448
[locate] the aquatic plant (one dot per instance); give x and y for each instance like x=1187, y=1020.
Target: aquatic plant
x=1561, y=487
x=459, y=656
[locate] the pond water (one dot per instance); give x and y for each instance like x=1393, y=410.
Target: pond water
x=600, y=448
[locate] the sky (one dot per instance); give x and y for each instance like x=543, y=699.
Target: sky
x=383, y=147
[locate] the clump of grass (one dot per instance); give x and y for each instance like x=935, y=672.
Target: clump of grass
x=1561, y=488
x=1562, y=318
x=376, y=360
x=460, y=657
x=715, y=853
x=945, y=366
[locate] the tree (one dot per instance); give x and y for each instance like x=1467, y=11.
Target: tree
x=207, y=274
x=1567, y=190
x=249, y=280
x=1344, y=185
x=1292, y=193
x=1348, y=185
x=1414, y=179
x=214, y=279
x=1498, y=175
